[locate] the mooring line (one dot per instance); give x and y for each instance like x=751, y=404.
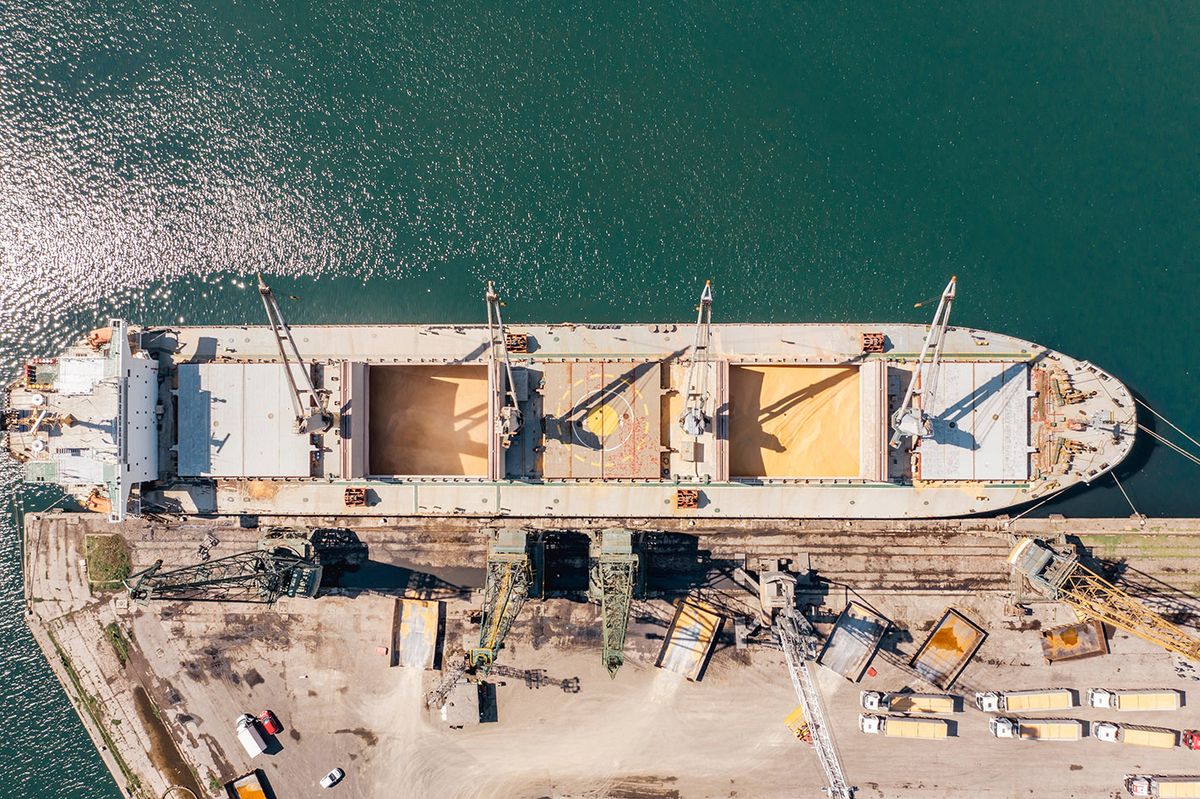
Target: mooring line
x=1045, y=499
x=1171, y=444
x=1168, y=421
x=1141, y=518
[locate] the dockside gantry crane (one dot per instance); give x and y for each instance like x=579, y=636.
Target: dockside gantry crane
x=283, y=565
x=1063, y=578
x=507, y=584
x=614, y=578
x=800, y=644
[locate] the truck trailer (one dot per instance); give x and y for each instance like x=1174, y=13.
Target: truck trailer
x=1163, y=787
x=1036, y=729
x=1135, y=735
x=1025, y=701
x=908, y=703
x=903, y=726
x=1144, y=699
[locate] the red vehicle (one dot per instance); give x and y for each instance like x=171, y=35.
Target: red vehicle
x=1191, y=739
x=269, y=722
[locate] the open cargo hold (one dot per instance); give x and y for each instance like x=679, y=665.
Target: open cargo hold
x=428, y=420
x=853, y=641
x=948, y=649
x=788, y=421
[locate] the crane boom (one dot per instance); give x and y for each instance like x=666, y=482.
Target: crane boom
x=509, y=416
x=695, y=417
x=1065, y=579
x=908, y=420
x=259, y=577
x=309, y=404
x=799, y=640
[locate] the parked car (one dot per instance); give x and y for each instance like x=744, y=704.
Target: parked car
x=332, y=778
x=269, y=722
x=1191, y=739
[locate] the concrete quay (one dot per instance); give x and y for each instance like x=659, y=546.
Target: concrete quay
x=158, y=687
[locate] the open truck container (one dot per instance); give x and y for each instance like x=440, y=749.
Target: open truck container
x=1136, y=735
x=247, y=786
x=1142, y=699
x=937, y=704
x=1034, y=701
x=853, y=642
x=948, y=649
x=1181, y=787
x=904, y=726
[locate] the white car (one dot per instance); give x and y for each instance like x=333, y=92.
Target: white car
x=332, y=778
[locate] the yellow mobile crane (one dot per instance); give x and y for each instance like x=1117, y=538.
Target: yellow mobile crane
x=1064, y=578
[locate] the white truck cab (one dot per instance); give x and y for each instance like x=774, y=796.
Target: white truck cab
x=249, y=736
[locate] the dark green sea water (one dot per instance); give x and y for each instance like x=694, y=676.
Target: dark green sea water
x=819, y=161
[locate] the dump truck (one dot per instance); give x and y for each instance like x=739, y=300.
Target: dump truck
x=903, y=726
x=1135, y=735
x=1037, y=729
x=1163, y=787
x=249, y=736
x=908, y=703
x=247, y=786
x=1143, y=699
x=1025, y=701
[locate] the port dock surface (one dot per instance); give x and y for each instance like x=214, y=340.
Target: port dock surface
x=159, y=686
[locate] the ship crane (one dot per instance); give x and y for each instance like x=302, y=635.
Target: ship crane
x=510, y=413
x=1064, y=579
x=909, y=420
x=695, y=417
x=309, y=403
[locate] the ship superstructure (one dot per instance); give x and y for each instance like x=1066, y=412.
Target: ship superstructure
x=629, y=420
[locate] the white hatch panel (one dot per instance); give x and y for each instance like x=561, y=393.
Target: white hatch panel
x=236, y=420
x=980, y=418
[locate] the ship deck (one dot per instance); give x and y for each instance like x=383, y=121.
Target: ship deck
x=798, y=423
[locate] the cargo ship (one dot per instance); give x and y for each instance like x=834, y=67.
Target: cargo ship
x=690, y=419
